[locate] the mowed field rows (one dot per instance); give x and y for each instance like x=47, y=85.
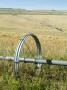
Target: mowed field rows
x=50, y=29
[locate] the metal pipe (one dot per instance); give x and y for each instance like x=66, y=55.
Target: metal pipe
x=30, y=60
x=6, y=58
x=50, y=62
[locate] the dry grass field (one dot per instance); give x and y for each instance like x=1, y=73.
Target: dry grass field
x=52, y=33
x=50, y=29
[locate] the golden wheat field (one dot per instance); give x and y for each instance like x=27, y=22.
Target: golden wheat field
x=50, y=29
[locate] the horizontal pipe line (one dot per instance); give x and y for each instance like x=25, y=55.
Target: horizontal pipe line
x=30, y=60
x=6, y=58
x=50, y=62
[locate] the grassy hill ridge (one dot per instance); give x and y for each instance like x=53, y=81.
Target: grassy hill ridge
x=35, y=12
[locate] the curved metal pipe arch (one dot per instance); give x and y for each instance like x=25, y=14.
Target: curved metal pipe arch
x=20, y=44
